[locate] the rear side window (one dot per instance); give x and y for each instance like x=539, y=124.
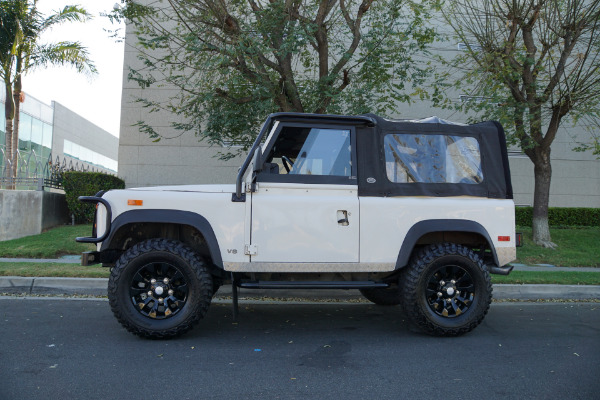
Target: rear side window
x=417, y=158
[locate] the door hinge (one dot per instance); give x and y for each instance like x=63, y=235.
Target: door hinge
x=250, y=250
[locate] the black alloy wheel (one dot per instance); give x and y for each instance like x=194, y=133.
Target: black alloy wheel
x=159, y=289
x=446, y=289
x=450, y=291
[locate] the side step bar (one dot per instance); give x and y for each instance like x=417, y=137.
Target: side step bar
x=235, y=284
x=311, y=285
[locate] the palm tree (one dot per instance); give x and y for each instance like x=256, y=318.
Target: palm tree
x=27, y=53
x=9, y=33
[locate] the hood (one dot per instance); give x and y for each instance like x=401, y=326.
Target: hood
x=189, y=188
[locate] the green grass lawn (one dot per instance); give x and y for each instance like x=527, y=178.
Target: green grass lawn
x=576, y=248
x=53, y=270
x=549, y=277
x=53, y=243
x=96, y=271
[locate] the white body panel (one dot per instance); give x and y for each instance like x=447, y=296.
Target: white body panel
x=385, y=221
x=299, y=223
x=213, y=202
x=294, y=227
x=189, y=188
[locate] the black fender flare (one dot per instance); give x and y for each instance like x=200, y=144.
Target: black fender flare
x=172, y=217
x=422, y=228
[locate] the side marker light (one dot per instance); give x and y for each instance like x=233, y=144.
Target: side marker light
x=135, y=202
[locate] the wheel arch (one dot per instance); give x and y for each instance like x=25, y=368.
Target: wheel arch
x=193, y=229
x=437, y=231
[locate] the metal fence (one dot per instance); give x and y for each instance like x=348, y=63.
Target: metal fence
x=33, y=174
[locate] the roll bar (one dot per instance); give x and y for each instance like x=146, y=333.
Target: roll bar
x=238, y=196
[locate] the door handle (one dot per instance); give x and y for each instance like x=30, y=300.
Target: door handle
x=342, y=218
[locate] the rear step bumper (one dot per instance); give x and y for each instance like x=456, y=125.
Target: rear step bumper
x=311, y=285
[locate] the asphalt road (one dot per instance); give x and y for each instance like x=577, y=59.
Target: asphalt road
x=75, y=349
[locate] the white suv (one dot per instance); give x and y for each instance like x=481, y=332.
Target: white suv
x=417, y=213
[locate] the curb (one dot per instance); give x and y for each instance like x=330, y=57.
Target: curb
x=98, y=287
x=546, y=292
x=64, y=260
x=54, y=286
x=75, y=259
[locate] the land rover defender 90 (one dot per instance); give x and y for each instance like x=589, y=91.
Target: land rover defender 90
x=411, y=213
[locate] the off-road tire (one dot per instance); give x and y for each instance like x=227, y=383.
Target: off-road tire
x=420, y=296
x=199, y=288
x=383, y=296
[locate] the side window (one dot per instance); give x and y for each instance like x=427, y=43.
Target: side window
x=311, y=151
x=414, y=158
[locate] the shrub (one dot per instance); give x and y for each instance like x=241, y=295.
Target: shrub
x=561, y=216
x=523, y=216
x=78, y=184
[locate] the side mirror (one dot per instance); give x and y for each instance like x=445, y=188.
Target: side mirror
x=257, y=160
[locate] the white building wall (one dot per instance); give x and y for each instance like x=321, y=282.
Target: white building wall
x=73, y=127
x=176, y=158
x=183, y=159
x=66, y=125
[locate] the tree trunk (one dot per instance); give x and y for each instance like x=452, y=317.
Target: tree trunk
x=8, y=169
x=541, y=198
x=17, y=118
x=9, y=111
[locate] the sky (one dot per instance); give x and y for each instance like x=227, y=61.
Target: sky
x=96, y=98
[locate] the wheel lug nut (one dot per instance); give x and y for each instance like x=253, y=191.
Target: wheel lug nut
x=166, y=281
x=453, y=281
x=442, y=283
x=153, y=281
x=458, y=292
x=439, y=294
x=171, y=292
x=160, y=300
x=150, y=293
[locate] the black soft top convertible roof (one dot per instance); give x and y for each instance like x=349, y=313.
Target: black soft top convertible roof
x=373, y=180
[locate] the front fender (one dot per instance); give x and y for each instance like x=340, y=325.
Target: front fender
x=172, y=217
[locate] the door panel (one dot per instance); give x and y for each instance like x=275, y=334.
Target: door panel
x=305, y=223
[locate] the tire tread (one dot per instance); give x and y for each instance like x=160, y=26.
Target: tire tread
x=411, y=280
x=198, y=267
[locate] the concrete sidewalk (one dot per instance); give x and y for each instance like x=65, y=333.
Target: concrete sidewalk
x=98, y=287
x=74, y=259
x=62, y=260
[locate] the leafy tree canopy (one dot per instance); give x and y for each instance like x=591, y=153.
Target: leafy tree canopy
x=236, y=61
x=532, y=65
x=528, y=64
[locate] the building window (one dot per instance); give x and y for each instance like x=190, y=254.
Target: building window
x=472, y=99
x=466, y=46
x=89, y=156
